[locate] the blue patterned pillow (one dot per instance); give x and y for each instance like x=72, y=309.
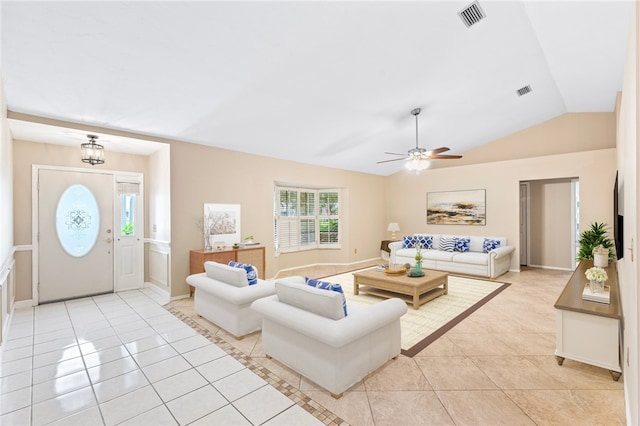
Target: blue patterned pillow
x=462, y=244
x=409, y=241
x=447, y=243
x=324, y=285
x=426, y=241
x=488, y=244
x=252, y=277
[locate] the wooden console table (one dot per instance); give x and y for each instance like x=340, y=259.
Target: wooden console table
x=252, y=255
x=587, y=331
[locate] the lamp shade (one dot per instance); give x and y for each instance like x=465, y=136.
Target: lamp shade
x=393, y=227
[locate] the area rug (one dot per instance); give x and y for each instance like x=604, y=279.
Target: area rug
x=421, y=327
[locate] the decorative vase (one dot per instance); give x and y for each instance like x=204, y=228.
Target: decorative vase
x=596, y=286
x=207, y=243
x=419, y=267
x=600, y=257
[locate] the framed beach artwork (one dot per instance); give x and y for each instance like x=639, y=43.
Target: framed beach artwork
x=222, y=224
x=456, y=207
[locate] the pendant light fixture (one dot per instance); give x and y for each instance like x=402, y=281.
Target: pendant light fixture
x=92, y=152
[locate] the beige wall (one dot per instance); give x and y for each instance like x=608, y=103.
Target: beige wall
x=595, y=169
x=201, y=174
x=25, y=154
x=567, y=133
x=158, y=219
x=628, y=267
x=157, y=185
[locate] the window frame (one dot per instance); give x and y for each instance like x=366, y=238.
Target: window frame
x=294, y=222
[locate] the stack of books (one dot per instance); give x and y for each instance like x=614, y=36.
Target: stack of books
x=603, y=297
x=248, y=244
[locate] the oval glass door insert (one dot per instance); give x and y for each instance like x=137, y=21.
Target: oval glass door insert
x=77, y=220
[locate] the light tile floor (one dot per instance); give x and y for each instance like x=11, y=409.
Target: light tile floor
x=495, y=367
x=123, y=359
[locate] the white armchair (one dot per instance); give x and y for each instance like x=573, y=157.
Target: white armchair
x=224, y=296
x=300, y=330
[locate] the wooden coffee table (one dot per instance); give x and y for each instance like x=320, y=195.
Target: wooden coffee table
x=415, y=291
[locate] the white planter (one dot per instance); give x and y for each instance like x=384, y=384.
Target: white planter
x=601, y=260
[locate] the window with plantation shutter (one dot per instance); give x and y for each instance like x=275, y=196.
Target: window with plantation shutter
x=306, y=218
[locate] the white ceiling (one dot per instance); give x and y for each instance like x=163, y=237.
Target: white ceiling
x=327, y=83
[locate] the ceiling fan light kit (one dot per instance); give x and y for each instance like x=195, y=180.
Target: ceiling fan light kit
x=418, y=158
x=416, y=165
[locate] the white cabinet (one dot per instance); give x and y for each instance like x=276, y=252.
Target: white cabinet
x=587, y=331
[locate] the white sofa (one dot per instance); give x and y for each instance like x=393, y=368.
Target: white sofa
x=305, y=328
x=476, y=261
x=223, y=296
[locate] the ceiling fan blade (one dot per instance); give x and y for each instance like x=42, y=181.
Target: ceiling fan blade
x=421, y=154
x=439, y=150
x=445, y=157
x=394, y=159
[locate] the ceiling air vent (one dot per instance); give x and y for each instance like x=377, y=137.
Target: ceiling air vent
x=523, y=90
x=472, y=14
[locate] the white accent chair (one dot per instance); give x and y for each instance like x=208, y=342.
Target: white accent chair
x=223, y=296
x=304, y=328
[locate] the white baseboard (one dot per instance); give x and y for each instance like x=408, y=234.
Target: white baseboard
x=22, y=304
x=184, y=296
x=554, y=268
x=157, y=289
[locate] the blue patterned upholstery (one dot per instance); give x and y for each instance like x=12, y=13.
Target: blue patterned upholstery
x=325, y=285
x=252, y=276
x=488, y=244
x=409, y=241
x=426, y=241
x=461, y=244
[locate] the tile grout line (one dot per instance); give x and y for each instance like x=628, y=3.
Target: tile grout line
x=296, y=395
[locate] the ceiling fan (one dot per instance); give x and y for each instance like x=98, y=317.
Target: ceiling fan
x=418, y=156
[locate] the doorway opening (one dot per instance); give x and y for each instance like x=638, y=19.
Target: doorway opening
x=549, y=223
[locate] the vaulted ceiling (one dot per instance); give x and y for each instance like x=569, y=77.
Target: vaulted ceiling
x=326, y=83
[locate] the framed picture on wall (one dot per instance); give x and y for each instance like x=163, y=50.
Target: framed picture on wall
x=222, y=224
x=456, y=207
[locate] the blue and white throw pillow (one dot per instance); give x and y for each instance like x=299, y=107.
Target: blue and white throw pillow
x=447, y=243
x=462, y=244
x=325, y=285
x=252, y=276
x=488, y=244
x=409, y=241
x=426, y=241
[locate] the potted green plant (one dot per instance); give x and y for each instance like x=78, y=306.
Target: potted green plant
x=594, y=237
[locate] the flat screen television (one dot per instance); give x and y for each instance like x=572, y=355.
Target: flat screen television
x=618, y=222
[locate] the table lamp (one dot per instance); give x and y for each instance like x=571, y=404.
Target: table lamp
x=393, y=227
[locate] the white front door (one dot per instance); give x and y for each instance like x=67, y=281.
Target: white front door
x=75, y=234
